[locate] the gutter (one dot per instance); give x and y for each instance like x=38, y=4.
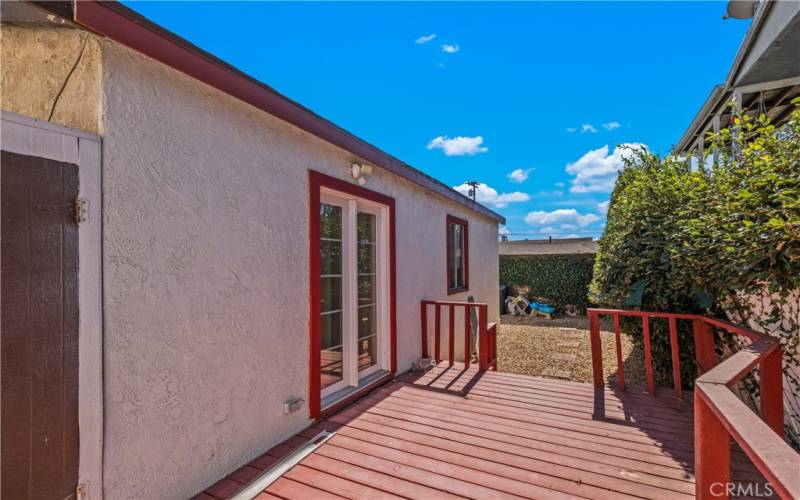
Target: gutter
x=123, y=25
x=752, y=33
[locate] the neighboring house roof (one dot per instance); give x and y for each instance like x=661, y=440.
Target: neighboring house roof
x=121, y=24
x=565, y=246
x=765, y=72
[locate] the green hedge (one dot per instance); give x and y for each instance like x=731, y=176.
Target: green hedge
x=710, y=241
x=559, y=279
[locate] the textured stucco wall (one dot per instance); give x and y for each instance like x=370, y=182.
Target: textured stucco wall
x=206, y=275
x=38, y=62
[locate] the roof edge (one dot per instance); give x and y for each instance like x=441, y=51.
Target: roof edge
x=711, y=103
x=718, y=91
x=127, y=27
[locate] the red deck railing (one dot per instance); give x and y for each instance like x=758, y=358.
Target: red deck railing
x=487, y=333
x=718, y=414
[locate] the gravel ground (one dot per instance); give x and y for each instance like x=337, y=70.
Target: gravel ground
x=560, y=348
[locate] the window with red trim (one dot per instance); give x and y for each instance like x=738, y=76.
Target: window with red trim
x=457, y=254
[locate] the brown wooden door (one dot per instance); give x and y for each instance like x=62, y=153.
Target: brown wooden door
x=39, y=365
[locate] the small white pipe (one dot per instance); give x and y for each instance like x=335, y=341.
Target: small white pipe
x=269, y=476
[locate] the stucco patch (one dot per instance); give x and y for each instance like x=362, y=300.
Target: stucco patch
x=51, y=74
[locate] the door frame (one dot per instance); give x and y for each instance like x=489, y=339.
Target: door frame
x=317, y=183
x=351, y=206
x=28, y=136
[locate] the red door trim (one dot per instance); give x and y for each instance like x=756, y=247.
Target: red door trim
x=316, y=182
x=452, y=219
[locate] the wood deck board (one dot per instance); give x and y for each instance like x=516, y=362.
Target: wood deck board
x=455, y=433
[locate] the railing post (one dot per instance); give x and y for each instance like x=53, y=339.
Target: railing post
x=493, y=347
x=597, y=351
x=676, y=359
x=437, y=339
x=771, y=390
x=451, y=339
x=423, y=313
x=620, y=365
x=467, y=353
x=704, y=352
x=648, y=355
x=712, y=452
x=483, y=338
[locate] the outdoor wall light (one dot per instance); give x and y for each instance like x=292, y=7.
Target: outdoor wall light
x=360, y=172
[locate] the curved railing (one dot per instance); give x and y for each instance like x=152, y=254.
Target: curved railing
x=718, y=414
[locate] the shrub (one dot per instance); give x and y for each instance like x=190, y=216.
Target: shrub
x=710, y=241
x=558, y=279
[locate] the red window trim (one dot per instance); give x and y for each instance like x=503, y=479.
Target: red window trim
x=451, y=219
x=316, y=181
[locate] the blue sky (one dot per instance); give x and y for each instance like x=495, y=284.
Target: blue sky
x=477, y=91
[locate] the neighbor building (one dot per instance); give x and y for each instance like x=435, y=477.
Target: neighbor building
x=550, y=246
x=195, y=267
x=764, y=77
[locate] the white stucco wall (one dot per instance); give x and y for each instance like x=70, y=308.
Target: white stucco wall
x=205, y=260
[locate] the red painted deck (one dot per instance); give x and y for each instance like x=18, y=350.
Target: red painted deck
x=456, y=433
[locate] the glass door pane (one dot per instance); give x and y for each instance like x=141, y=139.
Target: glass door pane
x=367, y=307
x=331, y=309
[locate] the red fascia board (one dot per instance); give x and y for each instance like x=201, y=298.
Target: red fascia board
x=123, y=25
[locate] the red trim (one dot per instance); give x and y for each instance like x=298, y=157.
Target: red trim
x=125, y=26
x=316, y=181
x=719, y=415
x=451, y=219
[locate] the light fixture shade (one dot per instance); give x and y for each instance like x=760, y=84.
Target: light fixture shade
x=742, y=9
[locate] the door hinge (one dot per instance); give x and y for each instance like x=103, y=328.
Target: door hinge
x=80, y=492
x=81, y=210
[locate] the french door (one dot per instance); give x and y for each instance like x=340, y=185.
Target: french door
x=354, y=316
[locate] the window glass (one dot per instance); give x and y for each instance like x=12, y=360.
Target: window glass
x=330, y=294
x=456, y=256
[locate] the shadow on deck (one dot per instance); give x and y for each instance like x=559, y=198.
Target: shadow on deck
x=456, y=432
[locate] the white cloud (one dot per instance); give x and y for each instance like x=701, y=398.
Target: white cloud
x=487, y=195
x=567, y=218
x=571, y=129
x=519, y=175
x=611, y=126
x=425, y=38
x=603, y=207
x=450, y=48
x=560, y=184
x=596, y=171
x=588, y=127
x=550, y=194
x=458, y=146
x=504, y=231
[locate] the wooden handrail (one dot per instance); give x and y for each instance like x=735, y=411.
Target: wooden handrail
x=718, y=414
x=487, y=343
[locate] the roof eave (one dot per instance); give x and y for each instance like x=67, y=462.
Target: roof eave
x=123, y=25
x=712, y=102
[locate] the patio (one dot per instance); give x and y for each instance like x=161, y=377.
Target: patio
x=455, y=432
